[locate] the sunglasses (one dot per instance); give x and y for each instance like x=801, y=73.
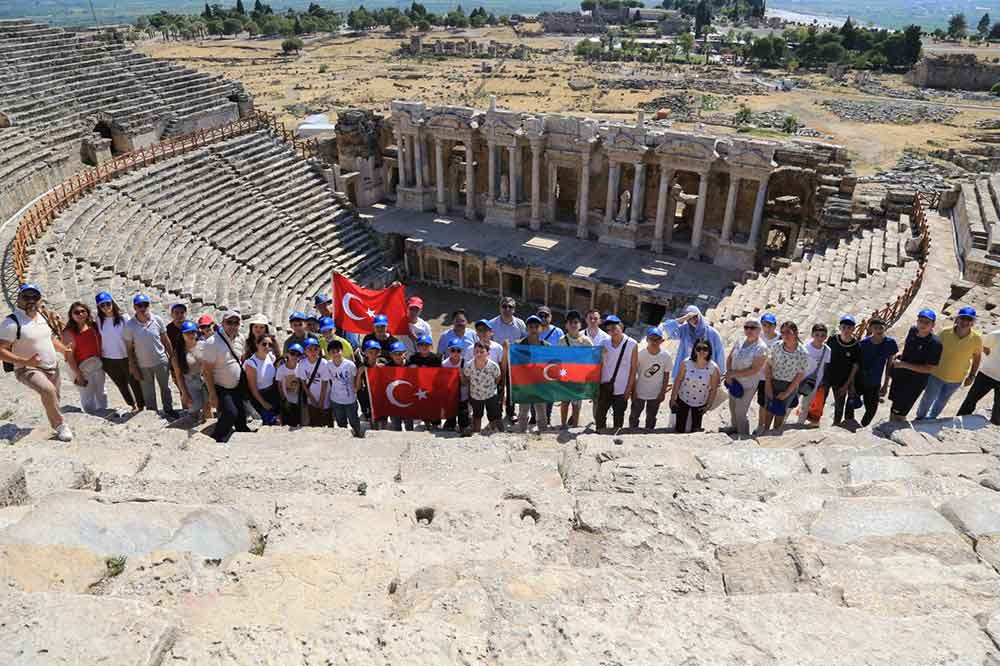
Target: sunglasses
x=206, y=327
x=544, y=315
x=750, y=327
x=294, y=353
x=232, y=322
x=265, y=344
x=141, y=306
x=79, y=312
x=105, y=305
x=702, y=349
x=507, y=307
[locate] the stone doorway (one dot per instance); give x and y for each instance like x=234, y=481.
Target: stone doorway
x=580, y=300
x=103, y=129
x=565, y=195
x=652, y=313
x=513, y=286
x=449, y=272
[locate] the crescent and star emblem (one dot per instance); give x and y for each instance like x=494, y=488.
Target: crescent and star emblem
x=545, y=372
x=346, y=304
x=390, y=389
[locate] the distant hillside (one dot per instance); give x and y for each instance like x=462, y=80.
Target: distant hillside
x=888, y=13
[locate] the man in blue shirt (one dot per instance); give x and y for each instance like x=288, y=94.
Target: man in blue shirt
x=459, y=331
x=876, y=350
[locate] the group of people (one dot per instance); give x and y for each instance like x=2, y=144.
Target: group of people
x=316, y=376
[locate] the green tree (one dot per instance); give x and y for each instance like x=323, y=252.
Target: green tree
x=292, y=45
x=252, y=28
x=911, y=44
x=995, y=31
x=995, y=90
x=207, y=13
x=239, y=8
x=232, y=26
x=790, y=125
x=214, y=27
x=744, y=115
x=957, y=26
x=849, y=35
x=686, y=42
x=702, y=17
x=360, y=19
x=587, y=5
x=297, y=27
x=423, y=25
x=983, y=27
x=400, y=24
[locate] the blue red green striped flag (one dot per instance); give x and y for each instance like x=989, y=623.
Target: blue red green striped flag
x=550, y=374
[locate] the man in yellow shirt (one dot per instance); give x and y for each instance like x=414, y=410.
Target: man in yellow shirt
x=328, y=334
x=961, y=346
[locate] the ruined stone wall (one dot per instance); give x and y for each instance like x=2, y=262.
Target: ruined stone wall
x=962, y=71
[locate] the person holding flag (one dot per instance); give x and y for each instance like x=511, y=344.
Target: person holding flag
x=574, y=337
x=382, y=336
x=355, y=308
x=408, y=393
x=456, y=359
x=541, y=373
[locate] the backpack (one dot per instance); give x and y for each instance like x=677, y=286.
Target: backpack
x=9, y=367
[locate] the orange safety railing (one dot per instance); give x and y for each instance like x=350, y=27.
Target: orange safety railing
x=36, y=219
x=894, y=310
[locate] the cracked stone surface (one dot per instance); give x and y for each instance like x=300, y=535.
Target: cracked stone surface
x=312, y=547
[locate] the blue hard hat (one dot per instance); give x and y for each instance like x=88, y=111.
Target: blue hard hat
x=397, y=347
x=326, y=324
x=312, y=342
x=768, y=318
x=320, y=299
x=967, y=311
x=927, y=313
x=612, y=319
x=140, y=298
x=312, y=317
x=178, y=305
x=654, y=332
x=425, y=340
x=103, y=297
x=373, y=344
x=296, y=347
x=533, y=319
x=456, y=343
x=189, y=327
x=484, y=322
x=848, y=318
x=735, y=389
x=381, y=320
x=29, y=286
x=297, y=316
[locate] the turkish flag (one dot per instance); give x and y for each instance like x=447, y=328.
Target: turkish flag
x=427, y=394
x=355, y=307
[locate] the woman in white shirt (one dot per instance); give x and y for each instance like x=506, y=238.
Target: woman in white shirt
x=260, y=370
x=819, y=356
x=114, y=356
x=315, y=380
x=695, y=386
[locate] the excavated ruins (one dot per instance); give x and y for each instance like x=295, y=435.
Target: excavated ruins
x=143, y=542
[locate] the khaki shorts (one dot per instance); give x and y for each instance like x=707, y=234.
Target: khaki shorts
x=25, y=375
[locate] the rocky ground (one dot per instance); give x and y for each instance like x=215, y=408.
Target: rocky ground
x=144, y=544
x=896, y=113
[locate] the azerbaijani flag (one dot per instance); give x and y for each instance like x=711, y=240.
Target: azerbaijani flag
x=550, y=374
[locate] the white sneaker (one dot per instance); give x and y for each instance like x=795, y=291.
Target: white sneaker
x=64, y=434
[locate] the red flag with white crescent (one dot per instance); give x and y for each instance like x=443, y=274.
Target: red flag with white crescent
x=355, y=307
x=427, y=394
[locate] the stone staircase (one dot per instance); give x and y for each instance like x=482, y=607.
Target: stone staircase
x=243, y=223
x=857, y=274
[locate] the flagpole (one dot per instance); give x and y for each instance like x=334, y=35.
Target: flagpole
x=371, y=403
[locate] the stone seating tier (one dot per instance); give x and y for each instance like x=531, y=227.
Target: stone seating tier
x=260, y=236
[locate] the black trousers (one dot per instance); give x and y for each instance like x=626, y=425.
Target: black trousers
x=869, y=394
x=464, y=418
x=606, y=401
x=128, y=386
x=232, y=413
x=982, y=385
x=683, y=410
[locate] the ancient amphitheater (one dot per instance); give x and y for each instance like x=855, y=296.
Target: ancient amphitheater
x=147, y=543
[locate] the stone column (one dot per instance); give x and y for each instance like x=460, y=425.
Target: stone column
x=582, y=227
x=442, y=206
x=727, y=220
x=492, y=148
x=552, y=182
x=418, y=159
x=638, y=194
x=470, y=182
x=613, y=175
x=401, y=154
x=512, y=169
x=536, y=186
x=699, y=217
x=666, y=176
x=758, y=212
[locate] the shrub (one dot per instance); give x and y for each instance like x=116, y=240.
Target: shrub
x=995, y=90
x=292, y=44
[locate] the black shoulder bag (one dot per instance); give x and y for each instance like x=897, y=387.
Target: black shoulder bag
x=9, y=367
x=242, y=385
x=607, y=389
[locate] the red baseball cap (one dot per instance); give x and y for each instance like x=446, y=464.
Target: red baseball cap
x=205, y=320
x=415, y=302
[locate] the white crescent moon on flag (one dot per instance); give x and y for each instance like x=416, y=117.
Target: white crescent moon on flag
x=392, y=387
x=346, y=304
x=545, y=372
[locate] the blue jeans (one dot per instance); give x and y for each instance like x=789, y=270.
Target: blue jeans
x=344, y=414
x=936, y=396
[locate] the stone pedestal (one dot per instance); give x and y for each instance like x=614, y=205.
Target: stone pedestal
x=415, y=198
x=505, y=214
x=737, y=256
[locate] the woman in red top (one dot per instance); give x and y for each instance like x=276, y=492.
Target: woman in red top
x=84, y=358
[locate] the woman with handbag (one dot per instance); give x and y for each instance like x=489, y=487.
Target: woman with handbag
x=82, y=338
x=812, y=385
x=785, y=369
x=695, y=387
x=261, y=380
x=187, y=360
x=744, y=369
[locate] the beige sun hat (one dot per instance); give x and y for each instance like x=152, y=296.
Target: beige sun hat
x=258, y=319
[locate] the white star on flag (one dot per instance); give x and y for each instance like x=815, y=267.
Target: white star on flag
x=562, y=372
x=421, y=394
x=370, y=313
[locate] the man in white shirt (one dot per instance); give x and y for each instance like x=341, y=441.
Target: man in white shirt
x=651, y=380
x=484, y=334
x=222, y=372
x=987, y=379
x=507, y=329
x=418, y=326
x=594, y=330
x=550, y=333
x=31, y=346
x=459, y=331
x=618, y=367
x=150, y=355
